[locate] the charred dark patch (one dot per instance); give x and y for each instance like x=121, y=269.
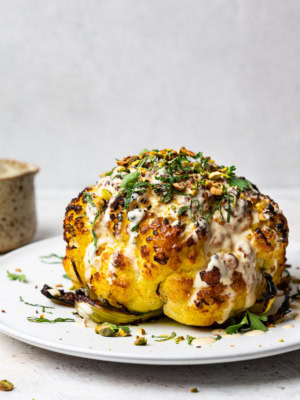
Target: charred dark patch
x=270, y=208
x=145, y=251
x=262, y=236
x=190, y=242
x=77, y=208
x=212, y=277
x=161, y=258
x=270, y=290
x=282, y=230
x=119, y=202
x=76, y=271
x=64, y=298
x=120, y=261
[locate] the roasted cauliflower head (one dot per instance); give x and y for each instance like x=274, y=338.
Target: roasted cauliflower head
x=171, y=232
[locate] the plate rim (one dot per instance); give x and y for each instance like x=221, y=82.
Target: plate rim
x=128, y=358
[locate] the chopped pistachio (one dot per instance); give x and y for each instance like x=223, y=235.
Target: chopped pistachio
x=141, y=331
x=140, y=341
x=215, y=175
x=6, y=386
x=105, y=330
x=216, y=191
x=123, y=332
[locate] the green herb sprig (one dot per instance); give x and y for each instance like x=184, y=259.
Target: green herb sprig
x=50, y=259
x=35, y=305
x=190, y=339
x=17, y=277
x=163, y=338
x=249, y=322
x=50, y=321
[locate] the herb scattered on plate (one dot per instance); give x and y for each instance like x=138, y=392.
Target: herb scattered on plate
x=17, y=277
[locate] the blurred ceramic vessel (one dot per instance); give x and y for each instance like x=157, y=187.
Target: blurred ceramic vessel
x=17, y=204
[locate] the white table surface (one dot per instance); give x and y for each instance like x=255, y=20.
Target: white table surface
x=42, y=375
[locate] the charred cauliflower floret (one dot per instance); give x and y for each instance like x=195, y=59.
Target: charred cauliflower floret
x=173, y=233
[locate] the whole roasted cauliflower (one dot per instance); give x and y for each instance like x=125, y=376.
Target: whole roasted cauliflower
x=171, y=232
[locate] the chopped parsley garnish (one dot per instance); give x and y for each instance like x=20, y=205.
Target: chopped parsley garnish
x=93, y=227
x=130, y=179
x=17, y=277
x=136, y=227
x=190, y=339
x=164, y=338
x=87, y=197
x=182, y=210
x=35, y=305
x=240, y=183
x=50, y=259
x=249, y=322
x=50, y=321
x=218, y=337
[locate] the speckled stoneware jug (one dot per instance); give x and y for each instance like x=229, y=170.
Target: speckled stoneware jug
x=17, y=204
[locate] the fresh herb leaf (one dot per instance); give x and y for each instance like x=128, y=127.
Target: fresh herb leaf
x=164, y=338
x=17, y=277
x=93, y=226
x=182, y=210
x=190, y=339
x=109, y=173
x=130, y=179
x=50, y=257
x=234, y=328
x=87, y=197
x=66, y=276
x=250, y=321
x=256, y=321
x=35, y=305
x=230, y=173
x=218, y=337
x=135, y=228
x=240, y=183
x=228, y=199
x=50, y=321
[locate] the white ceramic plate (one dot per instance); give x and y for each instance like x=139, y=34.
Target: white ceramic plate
x=71, y=338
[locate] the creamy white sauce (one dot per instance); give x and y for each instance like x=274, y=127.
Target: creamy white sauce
x=288, y=326
x=91, y=212
x=254, y=333
x=54, y=292
x=201, y=341
x=225, y=241
x=135, y=216
x=111, y=269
